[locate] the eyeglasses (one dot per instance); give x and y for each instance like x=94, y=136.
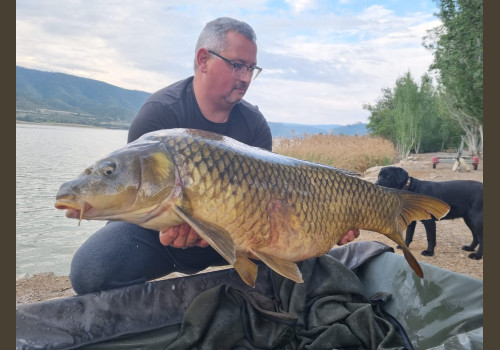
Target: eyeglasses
x=240, y=69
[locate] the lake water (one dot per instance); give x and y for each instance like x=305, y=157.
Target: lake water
x=47, y=156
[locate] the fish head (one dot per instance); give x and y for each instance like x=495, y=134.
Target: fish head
x=128, y=184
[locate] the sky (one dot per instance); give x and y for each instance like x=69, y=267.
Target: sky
x=322, y=60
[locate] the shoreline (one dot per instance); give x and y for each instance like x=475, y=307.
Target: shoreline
x=41, y=287
x=67, y=124
x=45, y=286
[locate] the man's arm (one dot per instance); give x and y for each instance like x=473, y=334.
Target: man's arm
x=151, y=117
x=263, y=138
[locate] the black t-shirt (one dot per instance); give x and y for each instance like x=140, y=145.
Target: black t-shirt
x=176, y=107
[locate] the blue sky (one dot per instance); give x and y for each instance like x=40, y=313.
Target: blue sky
x=322, y=60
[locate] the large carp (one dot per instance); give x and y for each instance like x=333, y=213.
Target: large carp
x=244, y=201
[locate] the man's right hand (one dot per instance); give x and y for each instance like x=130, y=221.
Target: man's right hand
x=182, y=236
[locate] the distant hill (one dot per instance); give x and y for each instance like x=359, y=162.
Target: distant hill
x=298, y=130
x=57, y=97
x=63, y=98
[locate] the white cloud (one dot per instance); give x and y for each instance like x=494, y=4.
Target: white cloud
x=320, y=66
x=300, y=5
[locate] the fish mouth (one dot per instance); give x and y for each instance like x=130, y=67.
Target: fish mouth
x=74, y=210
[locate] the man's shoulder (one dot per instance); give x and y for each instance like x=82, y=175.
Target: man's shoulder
x=172, y=93
x=249, y=111
x=247, y=107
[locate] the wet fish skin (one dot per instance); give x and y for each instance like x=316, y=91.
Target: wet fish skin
x=246, y=202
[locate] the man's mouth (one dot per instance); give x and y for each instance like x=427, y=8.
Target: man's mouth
x=241, y=88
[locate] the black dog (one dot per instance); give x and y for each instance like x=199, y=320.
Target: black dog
x=464, y=197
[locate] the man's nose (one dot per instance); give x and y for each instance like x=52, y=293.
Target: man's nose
x=247, y=78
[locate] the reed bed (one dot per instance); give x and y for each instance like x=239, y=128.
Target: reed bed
x=355, y=153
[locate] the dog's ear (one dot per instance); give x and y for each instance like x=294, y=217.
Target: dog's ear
x=401, y=177
x=381, y=172
x=384, y=172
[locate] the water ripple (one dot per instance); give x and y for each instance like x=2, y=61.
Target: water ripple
x=47, y=156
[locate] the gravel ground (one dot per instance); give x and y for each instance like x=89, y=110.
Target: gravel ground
x=451, y=236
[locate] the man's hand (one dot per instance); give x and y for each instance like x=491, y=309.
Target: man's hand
x=350, y=236
x=182, y=236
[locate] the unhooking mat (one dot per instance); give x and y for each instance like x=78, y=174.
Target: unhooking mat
x=216, y=310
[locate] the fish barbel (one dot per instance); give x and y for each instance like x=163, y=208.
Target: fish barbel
x=244, y=201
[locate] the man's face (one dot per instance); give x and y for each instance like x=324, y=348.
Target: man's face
x=226, y=88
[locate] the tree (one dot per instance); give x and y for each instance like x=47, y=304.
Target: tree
x=381, y=122
x=435, y=132
x=410, y=117
x=428, y=111
x=397, y=115
x=472, y=128
x=458, y=58
x=407, y=114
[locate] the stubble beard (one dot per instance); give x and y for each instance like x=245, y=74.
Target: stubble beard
x=232, y=100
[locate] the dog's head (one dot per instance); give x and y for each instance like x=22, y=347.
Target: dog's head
x=392, y=177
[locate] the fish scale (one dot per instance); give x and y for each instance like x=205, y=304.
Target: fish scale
x=246, y=202
x=316, y=207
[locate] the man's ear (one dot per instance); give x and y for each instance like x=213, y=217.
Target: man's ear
x=202, y=57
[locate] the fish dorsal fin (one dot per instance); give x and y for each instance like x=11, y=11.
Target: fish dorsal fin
x=246, y=269
x=286, y=268
x=215, y=235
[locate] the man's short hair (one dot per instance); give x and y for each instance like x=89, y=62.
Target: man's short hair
x=213, y=35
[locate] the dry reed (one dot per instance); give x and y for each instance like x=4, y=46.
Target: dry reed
x=356, y=153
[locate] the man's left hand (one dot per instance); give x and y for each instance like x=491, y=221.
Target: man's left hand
x=182, y=236
x=350, y=236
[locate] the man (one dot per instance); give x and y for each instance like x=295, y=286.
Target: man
x=122, y=254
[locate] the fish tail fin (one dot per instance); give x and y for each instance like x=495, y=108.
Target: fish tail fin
x=415, y=207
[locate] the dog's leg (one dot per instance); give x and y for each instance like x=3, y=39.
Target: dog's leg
x=430, y=230
x=479, y=254
x=410, y=230
x=472, y=246
x=477, y=238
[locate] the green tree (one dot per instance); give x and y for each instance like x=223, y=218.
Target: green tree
x=436, y=133
x=458, y=58
x=428, y=109
x=407, y=115
x=381, y=121
x=417, y=109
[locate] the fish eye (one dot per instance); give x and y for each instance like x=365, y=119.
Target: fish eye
x=107, y=168
x=88, y=171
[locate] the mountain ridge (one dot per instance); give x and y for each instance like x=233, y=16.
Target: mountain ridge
x=64, y=98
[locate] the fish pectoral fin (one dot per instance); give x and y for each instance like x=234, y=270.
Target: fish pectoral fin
x=286, y=268
x=246, y=269
x=215, y=235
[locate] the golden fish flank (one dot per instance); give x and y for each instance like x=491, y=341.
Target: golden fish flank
x=246, y=202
